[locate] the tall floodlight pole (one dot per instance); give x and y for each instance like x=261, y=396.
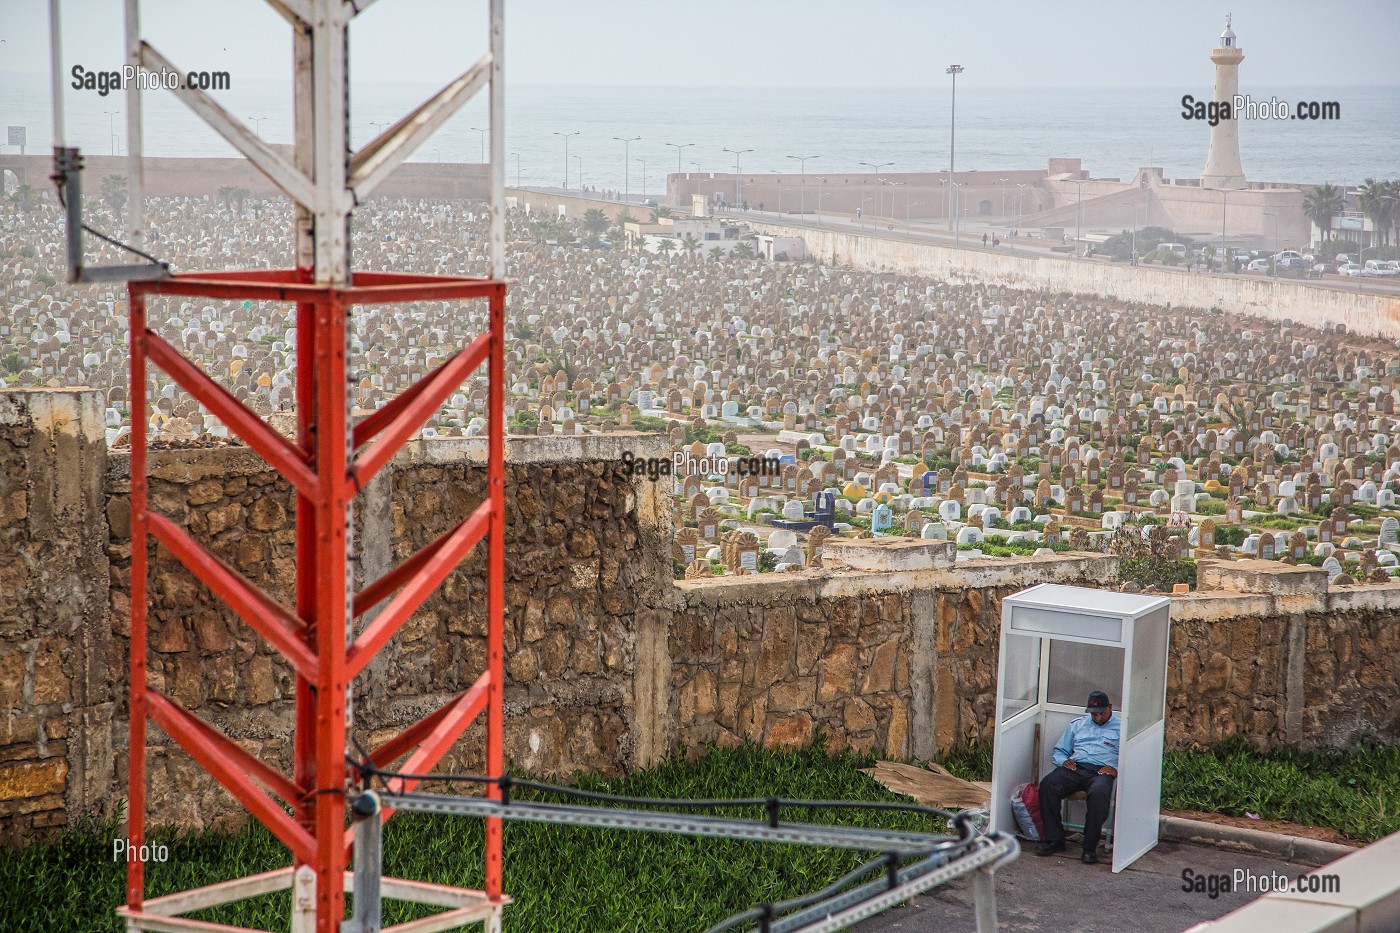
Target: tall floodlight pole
x=1020, y=193
x=644, y=176
x=953, y=70
x=822, y=179
x=802, y=198
x=627, y=142
x=566, y=154
x=483, y=143
x=1002, y=183
x=517, y=168
x=738, y=182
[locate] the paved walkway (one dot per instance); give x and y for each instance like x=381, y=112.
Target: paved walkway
x=1058, y=893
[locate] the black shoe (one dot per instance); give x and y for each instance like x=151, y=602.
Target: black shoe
x=1049, y=848
x=1089, y=858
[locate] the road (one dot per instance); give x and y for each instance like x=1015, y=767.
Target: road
x=1058, y=893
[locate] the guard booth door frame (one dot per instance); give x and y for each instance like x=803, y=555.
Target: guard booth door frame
x=1057, y=644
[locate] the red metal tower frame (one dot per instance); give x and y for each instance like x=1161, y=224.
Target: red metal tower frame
x=327, y=464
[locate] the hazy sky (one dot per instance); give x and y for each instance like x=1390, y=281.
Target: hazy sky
x=760, y=43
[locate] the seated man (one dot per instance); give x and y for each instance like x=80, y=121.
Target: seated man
x=1086, y=759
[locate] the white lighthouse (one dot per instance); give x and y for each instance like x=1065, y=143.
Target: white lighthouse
x=1223, y=169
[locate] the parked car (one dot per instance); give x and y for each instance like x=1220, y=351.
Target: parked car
x=1258, y=265
x=1378, y=267
x=1178, y=248
x=1350, y=269
x=1287, y=254
x=1324, y=268
x=1342, y=258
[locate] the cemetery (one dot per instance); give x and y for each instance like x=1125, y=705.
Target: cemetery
x=863, y=467
x=1009, y=422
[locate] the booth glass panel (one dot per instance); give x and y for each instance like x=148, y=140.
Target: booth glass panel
x=1147, y=687
x=1021, y=683
x=1076, y=668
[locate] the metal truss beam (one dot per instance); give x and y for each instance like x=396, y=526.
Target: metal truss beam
x=282, y=630
x=372, y=164
x=217, y=756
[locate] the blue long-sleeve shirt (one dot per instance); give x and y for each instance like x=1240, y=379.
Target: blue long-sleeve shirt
x=1089, y=744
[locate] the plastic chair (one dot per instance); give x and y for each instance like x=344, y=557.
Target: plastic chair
x=1106, y=839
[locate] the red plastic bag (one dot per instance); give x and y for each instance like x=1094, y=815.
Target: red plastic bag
x=1030, y=796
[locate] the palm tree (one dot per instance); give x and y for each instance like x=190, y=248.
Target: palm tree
x=663, y=211
x=594, y=221
x=24, y=197
x=742, y=250
x=239, y=194
x=666, y=245
x=690, y=243
x=114, y=192
x=1322, y=204
x=1377, y=201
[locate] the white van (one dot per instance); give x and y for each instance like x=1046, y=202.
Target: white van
x=1178, y=248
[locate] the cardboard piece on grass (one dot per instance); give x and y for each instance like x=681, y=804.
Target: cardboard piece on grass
x=933, y=786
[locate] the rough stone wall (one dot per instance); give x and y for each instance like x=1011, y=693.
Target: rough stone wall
x=53, y=618
x=609, y=662
x=578, y=532
x=900, y=663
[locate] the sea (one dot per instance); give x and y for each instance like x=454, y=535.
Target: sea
x=1113, y=130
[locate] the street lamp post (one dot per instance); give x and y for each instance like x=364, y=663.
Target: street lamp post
x=1274, y=217
x=874, y=167
x=906, y=209
x=1020, y=193
x=483, y=143
x=953, y=70
x=257, y=123
x=1078, y=217
x=802, y=199
x=112, y=129
x=517, y=168
x=566, y=154
x=679, y=147
x=627, y=142
x=579, y=173
x=822, y=179
x=379, y=124
x=644, y=176
x=738, y=182
x=1002, y=182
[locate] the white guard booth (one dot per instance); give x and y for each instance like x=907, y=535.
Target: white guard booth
x=1057, y=644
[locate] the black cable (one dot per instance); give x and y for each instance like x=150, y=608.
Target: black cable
x=58, y=183
x=768, y=803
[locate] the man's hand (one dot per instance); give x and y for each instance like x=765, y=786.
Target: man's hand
x=1071, y=764
x=1109, y=770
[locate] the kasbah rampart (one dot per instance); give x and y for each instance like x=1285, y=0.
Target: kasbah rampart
x=636, y=621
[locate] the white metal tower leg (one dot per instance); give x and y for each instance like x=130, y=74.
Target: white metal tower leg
x=984, y=900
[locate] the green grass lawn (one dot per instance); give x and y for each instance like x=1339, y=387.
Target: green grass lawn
x=564, y=878
x=588, y=879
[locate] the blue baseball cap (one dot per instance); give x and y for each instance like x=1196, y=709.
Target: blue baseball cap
x=1098, y=700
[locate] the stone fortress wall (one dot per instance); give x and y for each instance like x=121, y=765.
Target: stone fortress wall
x=1371, y=314
x=610, y=663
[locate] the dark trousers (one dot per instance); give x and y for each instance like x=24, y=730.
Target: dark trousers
x=1059, y=784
